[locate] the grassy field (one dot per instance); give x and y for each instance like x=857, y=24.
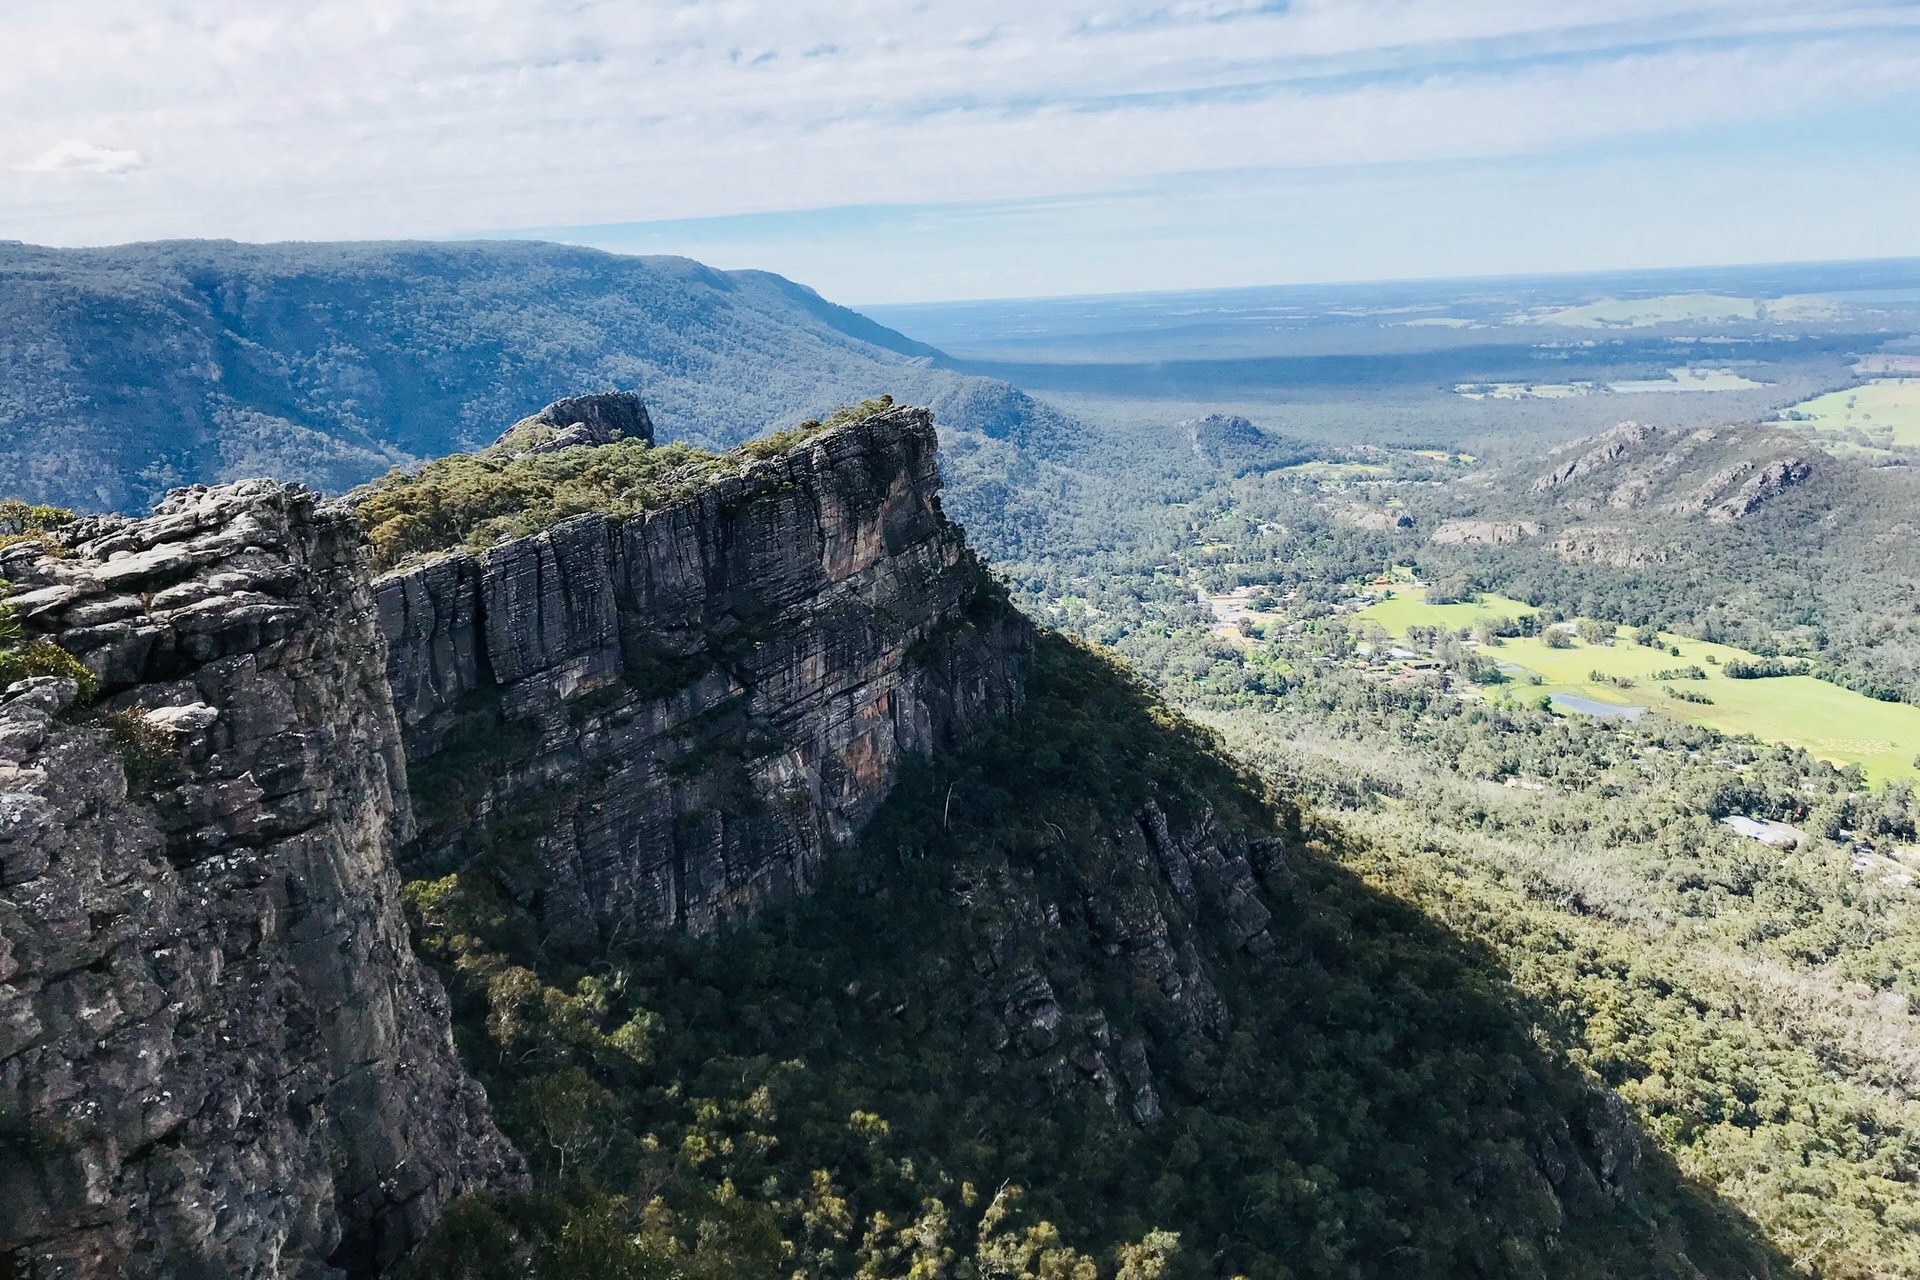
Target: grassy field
x=1634, y=313
x=1321, y=469
x=1692, y=378
x=1833, y=723
x=1523, y=390
x=1882, y=415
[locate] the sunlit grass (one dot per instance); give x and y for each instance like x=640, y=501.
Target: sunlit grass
x=1886, y=412
x=1834, y=723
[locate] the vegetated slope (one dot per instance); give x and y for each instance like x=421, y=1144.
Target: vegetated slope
x=1080, y=985
x=1752, y=1004
x=128, y=370
x=1741, y=534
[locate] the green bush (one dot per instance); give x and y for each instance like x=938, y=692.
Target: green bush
x=45, y=658
x=22, y=660
x=1761, y=668
x=472, y=501
x=22, y=521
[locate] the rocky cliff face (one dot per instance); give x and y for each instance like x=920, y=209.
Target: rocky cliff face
x=218, y=1055
x=667, y=721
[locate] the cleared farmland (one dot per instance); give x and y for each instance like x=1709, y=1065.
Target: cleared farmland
x=1833, y=723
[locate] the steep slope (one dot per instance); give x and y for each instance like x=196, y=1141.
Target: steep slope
x=218, y=1055
x=692, y=707
x=1084, y=1000
x=125, y=371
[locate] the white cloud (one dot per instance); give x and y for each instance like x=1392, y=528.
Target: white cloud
x=341, y=118
x=75, y=156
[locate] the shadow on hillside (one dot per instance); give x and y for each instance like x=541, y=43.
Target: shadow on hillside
x=1384, y=1104
x=1372, y=1098
x=1455, y=1019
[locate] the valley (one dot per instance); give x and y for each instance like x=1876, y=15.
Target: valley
x=1220, y=819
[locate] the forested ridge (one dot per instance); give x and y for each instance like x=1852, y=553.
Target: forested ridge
x=129, y=370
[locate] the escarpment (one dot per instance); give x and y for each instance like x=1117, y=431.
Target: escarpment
x=218, y=1054
x=667, y=721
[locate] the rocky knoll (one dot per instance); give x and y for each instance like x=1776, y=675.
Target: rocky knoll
x=218, y=1054
x=583, y=420
x=664, y=722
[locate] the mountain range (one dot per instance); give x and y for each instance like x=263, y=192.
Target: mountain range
x=127, y=371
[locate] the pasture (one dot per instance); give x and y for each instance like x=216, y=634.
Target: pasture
x=1635, y=313
x=1881, y=415
x=1833, y=723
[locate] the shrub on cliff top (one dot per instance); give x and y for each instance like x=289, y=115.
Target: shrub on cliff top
x=472, y=501
x=475, y=500
x=782, y=441
x=20, y=660
x=22, y=521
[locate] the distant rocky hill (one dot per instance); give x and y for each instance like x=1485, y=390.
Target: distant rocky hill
x=1738, y=532
x=1234, y=444
x=127, y=371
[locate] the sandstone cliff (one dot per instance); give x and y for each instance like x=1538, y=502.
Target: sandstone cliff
x=666, y=721
x=218, y=1055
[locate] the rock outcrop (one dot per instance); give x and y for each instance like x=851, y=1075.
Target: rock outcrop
x=667, y=721
x=583, y=420
x=1483, y=533
x=1373, y=521
x=1173, y=906
x=1605, y=449
x=218, y=1054
x=1609, y=545
x=1772, y=480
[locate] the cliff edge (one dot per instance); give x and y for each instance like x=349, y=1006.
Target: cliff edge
x=218, y=1052
x=668, y=721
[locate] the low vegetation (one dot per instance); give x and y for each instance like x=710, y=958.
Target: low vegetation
x=22, y=521
x=476, y=500
x=20, y=658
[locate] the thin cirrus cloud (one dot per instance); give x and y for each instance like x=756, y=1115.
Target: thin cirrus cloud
x=665, y=124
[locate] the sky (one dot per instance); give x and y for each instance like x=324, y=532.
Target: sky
x=941, y=149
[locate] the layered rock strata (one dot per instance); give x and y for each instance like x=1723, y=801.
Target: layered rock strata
x=218, y=1054
x=666, y=722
